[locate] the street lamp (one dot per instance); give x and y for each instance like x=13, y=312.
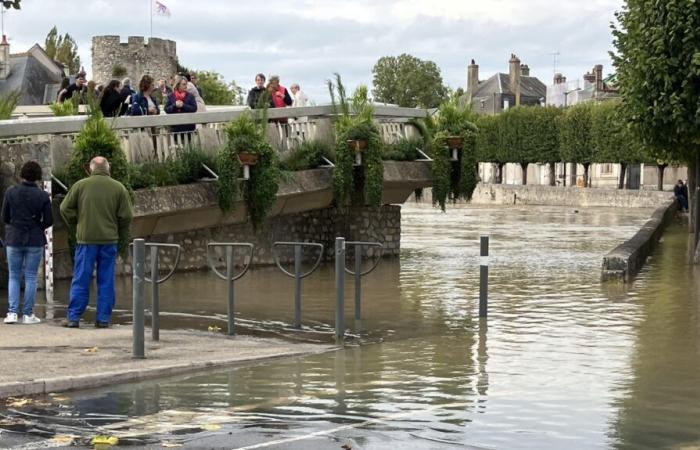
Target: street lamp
x=566, y=95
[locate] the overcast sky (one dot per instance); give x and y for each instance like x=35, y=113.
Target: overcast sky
x=307, y=41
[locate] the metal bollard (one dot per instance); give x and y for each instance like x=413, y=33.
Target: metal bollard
x=339, y=287
x=155, y=281
x=484, y=277
x=230, y=277
x=297, y=275
x=138, y=294
x=358, y=274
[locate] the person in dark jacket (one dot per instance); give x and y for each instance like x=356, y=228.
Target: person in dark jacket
x=127, y=92
x=111, y=99
x=680, y=191
x=26, y=211
x=256, y=96
x=142, y=103
x=181, y=101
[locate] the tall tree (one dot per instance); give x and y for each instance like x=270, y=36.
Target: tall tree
x=408, y=81
x=62, y=49
x=576, y=140
x=657, y=59
x=216, y=91
x=7, y=4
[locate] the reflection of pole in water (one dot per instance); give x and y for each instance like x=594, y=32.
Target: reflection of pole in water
x=298, y=380
x=341, y=407
x=482, y=379
x=231, y=382
x=138, y=400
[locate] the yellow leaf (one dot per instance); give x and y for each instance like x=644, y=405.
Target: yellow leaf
x=214, y=328
x=105, y=440
x=211, y=427
x=14, y=402
x=91, y=350
x=170, y=444
x=62, y=439
x=59, y=398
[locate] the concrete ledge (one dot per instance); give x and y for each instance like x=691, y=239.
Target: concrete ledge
x=505, y=194
x=45, y=358
x=625, y=261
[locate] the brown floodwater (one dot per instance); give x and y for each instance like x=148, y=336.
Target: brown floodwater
x=563, y=361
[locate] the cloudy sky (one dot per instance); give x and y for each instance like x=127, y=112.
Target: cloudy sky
x=307, y=41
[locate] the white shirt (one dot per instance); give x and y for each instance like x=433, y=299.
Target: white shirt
x=300, y=99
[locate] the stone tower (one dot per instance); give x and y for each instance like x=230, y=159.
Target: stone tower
x=137, y=57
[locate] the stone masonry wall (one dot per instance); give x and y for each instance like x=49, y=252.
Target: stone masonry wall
x=364, y=224
x=156, y=57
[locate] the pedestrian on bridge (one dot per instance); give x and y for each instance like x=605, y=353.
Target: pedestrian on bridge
x=26, y=212
x=98, y=209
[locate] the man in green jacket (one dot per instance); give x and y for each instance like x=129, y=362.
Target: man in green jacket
x=99, y=209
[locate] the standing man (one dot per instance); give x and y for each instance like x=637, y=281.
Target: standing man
x=298, y=96
x=77, y=88
x=99, y=209
x=680, y=191
x=256, y=96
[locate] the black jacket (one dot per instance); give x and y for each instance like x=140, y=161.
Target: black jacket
x=189, y=106
x=680, y=190
x=26, y=211
x=111, y=103
x=126, y=93
x=254, y=97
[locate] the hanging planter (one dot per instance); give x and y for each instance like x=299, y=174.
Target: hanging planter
x=455, y=145
x=357, y=147
x=247, y=159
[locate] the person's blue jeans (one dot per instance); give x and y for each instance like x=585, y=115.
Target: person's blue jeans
x=23, y=261
x=86, y=257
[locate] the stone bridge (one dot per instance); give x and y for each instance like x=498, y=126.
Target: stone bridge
x=189, y=214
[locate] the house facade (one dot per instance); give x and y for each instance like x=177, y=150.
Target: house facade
x=33, y=74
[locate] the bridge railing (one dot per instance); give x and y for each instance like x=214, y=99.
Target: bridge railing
x=149, y=138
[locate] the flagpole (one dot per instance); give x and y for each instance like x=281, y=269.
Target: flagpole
x=150, y=6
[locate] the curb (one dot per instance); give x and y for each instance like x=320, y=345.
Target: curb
x=79, y=382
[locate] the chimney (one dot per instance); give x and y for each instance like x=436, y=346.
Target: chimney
x=559, y=78
x=598, y=71
x=514, y=72
x=472, y=78
x=525, y=70
x=4, y=58
x=589, y=78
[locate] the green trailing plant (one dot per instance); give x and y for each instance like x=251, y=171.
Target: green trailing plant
x=355, y=122
x=405, y=149
x=248, y=135
x=8, y=103
x=454, y=181
x=118, y=71
x=307, y=155
x=67, y=108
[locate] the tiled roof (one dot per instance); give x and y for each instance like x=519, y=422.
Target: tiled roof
x=500, y=84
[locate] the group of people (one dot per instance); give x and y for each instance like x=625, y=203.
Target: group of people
x=119, y=98
x=274, y=95
x=97, y=209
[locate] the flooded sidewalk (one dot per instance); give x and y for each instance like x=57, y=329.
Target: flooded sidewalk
x=48, y=358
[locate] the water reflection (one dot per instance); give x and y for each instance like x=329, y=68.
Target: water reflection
x=562, y=362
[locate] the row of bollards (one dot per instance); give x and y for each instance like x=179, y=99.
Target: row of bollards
x=341, y=245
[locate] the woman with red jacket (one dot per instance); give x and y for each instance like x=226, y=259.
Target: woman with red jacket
x=181, y=101
x=279, y=96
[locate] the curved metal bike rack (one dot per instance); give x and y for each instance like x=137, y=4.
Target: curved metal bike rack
x=358, y=274
x=297, y=275
x=230, y=277
x=155, y=270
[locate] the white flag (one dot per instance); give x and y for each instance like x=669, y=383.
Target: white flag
x=161, y=9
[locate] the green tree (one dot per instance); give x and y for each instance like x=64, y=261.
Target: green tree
x=216, y=91
x=7, y=4
x=657, y=59
x=62, y=49
x=489, y=143
x=575, y=134
x=408, y=81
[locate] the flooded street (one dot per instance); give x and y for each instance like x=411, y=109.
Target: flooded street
x=562, y=361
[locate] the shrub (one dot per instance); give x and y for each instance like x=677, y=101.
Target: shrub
x=8, y=103
x=404, y=149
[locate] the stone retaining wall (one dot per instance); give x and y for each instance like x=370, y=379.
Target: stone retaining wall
x=625, y=261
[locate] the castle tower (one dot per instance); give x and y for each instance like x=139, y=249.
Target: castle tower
x=113, y=59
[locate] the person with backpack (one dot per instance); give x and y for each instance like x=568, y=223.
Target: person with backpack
x=142, y=103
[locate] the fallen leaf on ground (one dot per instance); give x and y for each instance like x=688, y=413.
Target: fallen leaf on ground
x=214, y=328
x=62, y=439
x=211, y=427
x=105, y=440
x=59, y=398
x=170, y=444
x=91, y=350
x=17, y=402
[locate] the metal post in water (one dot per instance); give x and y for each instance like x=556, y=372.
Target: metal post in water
x=339, y=287
x=297, y=286
x=484, y=277
x=229, y=279
x=358, y=282
x=138, y=294
x=155, y=301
